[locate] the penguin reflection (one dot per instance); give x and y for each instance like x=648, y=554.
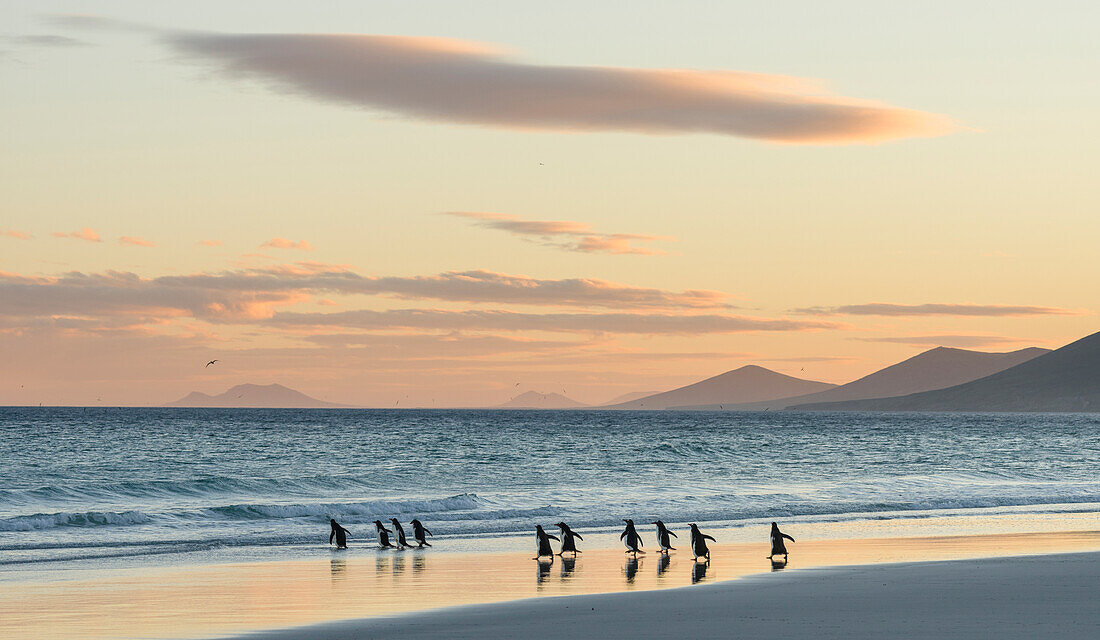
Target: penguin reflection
x=418, y=563
x=662, y=564
x=544, y=569
x=398, y=565
x=339, y=567
x=567, y=567
x=779, y=565
x=631, y=569
x=699, y=571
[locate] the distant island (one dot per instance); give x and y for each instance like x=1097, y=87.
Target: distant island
x=536, y=400
x=274, y=396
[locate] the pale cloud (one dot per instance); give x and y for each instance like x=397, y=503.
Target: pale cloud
x=135, y=241
x=884, y=309
x=960, y=341
x=46, y=40
x=12, y=233
x=563, y=234
x=499, y=320
x=283, y=243
x=465, y=82
x=84, y=234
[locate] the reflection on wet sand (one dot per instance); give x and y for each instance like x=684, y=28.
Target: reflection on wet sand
x=779, y=565
x=699, y=570
x=544, y=570
x=339, y=568
x=568, y=565
x=630, y=569
x=219, y=600
x=662, y=564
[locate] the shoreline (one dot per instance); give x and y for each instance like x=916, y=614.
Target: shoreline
x=227, y=600
x=1004, y=597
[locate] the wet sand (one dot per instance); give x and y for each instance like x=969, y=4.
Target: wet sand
x=1002, y=598
x=222, y=600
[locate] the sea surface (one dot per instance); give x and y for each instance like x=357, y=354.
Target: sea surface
x=87, y=489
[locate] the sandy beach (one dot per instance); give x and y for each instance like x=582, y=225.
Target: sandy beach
x=1007, y=598
x=364, y=593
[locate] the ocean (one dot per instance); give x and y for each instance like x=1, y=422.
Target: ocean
x=105, y=488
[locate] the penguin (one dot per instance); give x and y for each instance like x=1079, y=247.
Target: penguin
x=631, y=538
x=699, y=543
x=339, y=533
x=663, y=539
x=383, y=535
x=401, y=541
x=568, y=544
x=543, y=540
x=778, y=548
x=418, y=532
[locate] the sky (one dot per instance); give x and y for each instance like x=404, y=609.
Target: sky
x=446, y=204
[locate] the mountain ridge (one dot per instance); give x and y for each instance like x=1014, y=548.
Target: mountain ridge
x=255, y=396
x=750, y=383
x=1063, y=380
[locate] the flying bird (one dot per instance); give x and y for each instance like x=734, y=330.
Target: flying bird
x=210, y=363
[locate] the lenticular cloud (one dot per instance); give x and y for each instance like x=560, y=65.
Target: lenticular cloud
x=469, y=83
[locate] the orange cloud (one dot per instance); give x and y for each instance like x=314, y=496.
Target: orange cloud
x=579, y=236
x=471, y=83
x=135, y=241
x=12, y=233
x=960, y=341
x=885, y=309
x=210, y=243
x=498, y=320
x=83, y=234
x=283, y=243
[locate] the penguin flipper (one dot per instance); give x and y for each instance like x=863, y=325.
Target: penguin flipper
x=622, y=535
x=706, y=537
x=331, y=536
x=553, y=537
x=578, y=536
x=787, y=537
x=672, y=533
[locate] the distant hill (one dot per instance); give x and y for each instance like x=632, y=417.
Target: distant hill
x=937, y=368
x=1067, y=379
x=747, y=384
x=274, y=396
x=536, y=400
x=627, y=397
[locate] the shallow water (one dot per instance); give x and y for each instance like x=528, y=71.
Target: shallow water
x=111, y=487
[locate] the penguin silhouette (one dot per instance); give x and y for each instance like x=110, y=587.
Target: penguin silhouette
x=699, y=543
x=778, y=548
x=339, y=533
x=663, y=538
x=419, y=531
x=542, y=539
x=383, y=535
x=568, y=539
x=401, y=541
x=631, y=538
